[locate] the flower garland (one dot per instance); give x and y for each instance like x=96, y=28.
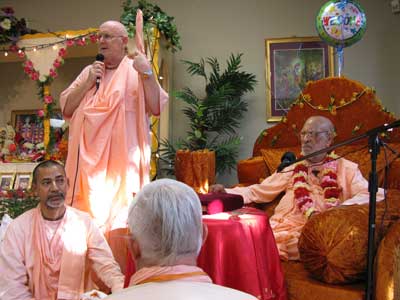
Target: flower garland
x=332, y=107
x=44, y=82
x=329, y=185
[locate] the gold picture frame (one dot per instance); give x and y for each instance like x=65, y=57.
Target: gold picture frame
x=290, y=64
x=23, y=181
x=7, y=181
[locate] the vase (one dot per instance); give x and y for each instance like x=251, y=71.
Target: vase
x=196, y=169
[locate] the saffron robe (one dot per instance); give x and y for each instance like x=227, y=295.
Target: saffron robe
x=288, y=221
x=109, y=144
x=179, y=282
x=38, y=261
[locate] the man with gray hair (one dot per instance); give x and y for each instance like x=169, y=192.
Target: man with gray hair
x=311, y=186
x=165, y=222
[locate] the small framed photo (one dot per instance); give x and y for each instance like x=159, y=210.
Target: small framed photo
x=6, y=181
x=23, y=181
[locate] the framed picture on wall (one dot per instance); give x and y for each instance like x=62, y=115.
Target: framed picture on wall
x=23, y=181
x=290, y=64
x=29, y=125
x=6, y=181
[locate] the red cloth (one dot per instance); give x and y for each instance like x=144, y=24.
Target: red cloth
x=215, y=203
x=240, y=252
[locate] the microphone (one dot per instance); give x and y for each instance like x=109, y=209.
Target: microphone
x=286, y=160
x=99, y=57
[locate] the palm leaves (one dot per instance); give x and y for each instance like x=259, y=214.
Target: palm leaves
x=215, y=118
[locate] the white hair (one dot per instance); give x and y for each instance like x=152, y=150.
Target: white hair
x=165, y=219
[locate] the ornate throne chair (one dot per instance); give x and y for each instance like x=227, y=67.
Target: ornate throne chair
x=324, y=271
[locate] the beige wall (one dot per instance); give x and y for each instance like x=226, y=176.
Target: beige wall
x=217, y=28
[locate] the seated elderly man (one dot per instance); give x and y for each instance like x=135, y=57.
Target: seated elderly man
x=46, y=250
x=167, y=234
x=311, y=186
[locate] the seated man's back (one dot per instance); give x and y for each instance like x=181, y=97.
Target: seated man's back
x=167, y=232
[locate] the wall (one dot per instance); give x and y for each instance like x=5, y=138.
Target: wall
x=220, y=27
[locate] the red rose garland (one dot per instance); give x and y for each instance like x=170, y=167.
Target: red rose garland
x=329, y=185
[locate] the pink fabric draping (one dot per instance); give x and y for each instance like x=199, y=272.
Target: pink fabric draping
x=48, y=254
x=240, y=252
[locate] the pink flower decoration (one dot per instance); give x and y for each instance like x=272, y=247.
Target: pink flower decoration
x=40, y=113
x=12, y=148
x=8, y=10
x=48, y=99
x=53, y=73
x=81, y=42
x=28, y=63
x=13, y=48
x=57, y=63
x=28, y=70
x=70, y=43
x=35, y=76
x=62, y=52
x=93, y=38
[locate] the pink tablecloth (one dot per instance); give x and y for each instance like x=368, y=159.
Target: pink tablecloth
x=240, y=252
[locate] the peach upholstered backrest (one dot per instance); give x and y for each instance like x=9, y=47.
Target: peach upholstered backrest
x=352, y=107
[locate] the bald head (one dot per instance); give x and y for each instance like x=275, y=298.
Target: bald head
x=114, y=27
x=113, y=41
x=322, y=123
x=317, y=133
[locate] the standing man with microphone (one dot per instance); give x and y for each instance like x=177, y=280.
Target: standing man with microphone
x=108, y=106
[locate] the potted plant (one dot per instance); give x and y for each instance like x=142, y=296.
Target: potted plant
x=214, y=118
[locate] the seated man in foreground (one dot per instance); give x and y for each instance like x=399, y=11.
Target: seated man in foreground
x=46, y=249
x=311, y=186
x=165, y=222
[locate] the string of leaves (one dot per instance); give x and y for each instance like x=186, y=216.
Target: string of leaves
x=15, y=206
x=213, y=120
x=153, y=16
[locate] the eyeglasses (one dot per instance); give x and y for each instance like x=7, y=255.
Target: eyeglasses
x=312, y=134
x=107, y=37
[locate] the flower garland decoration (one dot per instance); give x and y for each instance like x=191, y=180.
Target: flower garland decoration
x=329, y=185
x=44, y=82
x=332, y=107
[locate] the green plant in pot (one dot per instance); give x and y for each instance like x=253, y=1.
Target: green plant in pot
x=214, y=118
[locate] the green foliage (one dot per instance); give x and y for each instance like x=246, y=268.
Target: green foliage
x=213, y=119
x=16, y=206
x=11, y=28
x=153, y=16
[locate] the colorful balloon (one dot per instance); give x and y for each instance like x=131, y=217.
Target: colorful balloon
x=341, y=23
